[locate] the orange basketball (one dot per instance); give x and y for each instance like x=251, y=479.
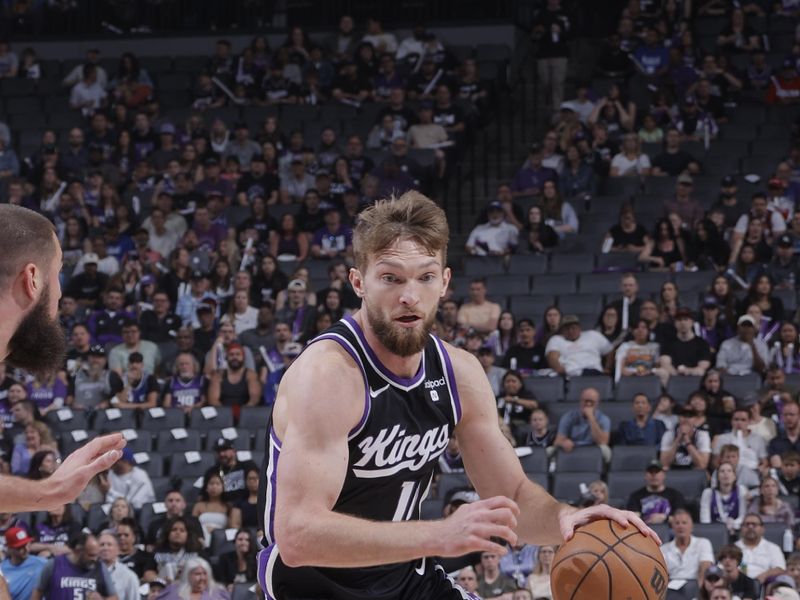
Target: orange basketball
x=605, y=561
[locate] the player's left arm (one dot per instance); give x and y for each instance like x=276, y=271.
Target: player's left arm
x=495, y=470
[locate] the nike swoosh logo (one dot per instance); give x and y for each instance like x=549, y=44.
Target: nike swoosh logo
x=376, y=393
x=421, y=568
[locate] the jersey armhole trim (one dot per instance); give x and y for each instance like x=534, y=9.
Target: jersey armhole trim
x=451, y=379
x=348, y=347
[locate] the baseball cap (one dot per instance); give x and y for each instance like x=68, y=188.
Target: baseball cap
x=710, y=302
x=684, y=313
x=158, y=581
x=297, y=284
x=713, y=572
x=464, y=497
x=167, y=128
x=654, y=465
x=728, y=181
x=746, y=319
x=685, y=178
x=198, y=274
x=495, y=206
x=127, y=456
x=292, y=349
x=17, y=537
x=535, y=148
x=147, y=280
x=785, y=580
x=223, y=444
x=784, y=593
x=785, y=241
x=97, y=350
x=569, y=320
x=206, y=304
x=788, y=63
x=211, y=161
x=775, y=183
x=90, y=257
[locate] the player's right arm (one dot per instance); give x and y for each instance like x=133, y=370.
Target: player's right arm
x=320, y=400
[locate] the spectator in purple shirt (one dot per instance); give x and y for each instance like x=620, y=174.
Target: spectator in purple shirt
x=334, y=240
x=209, y=234
x=530, y=179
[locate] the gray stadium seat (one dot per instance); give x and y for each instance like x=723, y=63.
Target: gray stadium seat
x=556, y=410
x=69, y=442
x=546, y=389
x=540, y=478
x=431, y=509
x=451, y=481
x=162, y=486
x=554, y=284
x=254, y=417
x=155, y=420
x=142, y=443
x=242, y=442
x=204, y=420
x=628, y=387
x=601, y=383
x=220, y=544
x=66, y=419
x=531, y=307
x=663, y=531
x=617, y=412
x=483, y=266
x=621, y=261
x=114, y=419
x=691, y=482
x=185, y=466
x=631, y=458
x=566, y=486
x=680, y=386
x=741, y=385
x=599, y=283
x=174, y=441
x=582, y=458
x=621, y=484
x=572, y=263
x=529, y=264
x=244, y=591
x=580, y=303
x=152, y=463
x=716, y=533
x=508, y=284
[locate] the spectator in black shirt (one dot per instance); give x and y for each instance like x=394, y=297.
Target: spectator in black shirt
x=350, y=87
x=525, y=356
x=628, y=235
x=87, y=286
x=311, y=215
x=449, y=115
x=360, y=165
x=232, y=470
x=551, y=31
x=401, y=114
x=257, y=182
x=139, y=561
x=729, y=558
x=728, y=203
x=687, y=354
x=159, y=324
x=276, y=88
x=176, y=506
x=422, y=85
x=673, y=161
x=539, y=433
x=238, y=565
x=655, y=502
x=707, y=102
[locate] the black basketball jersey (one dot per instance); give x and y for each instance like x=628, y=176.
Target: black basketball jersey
x=393, y=450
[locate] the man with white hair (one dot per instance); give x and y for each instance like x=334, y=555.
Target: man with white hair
x=125, y=581
x=467, y=578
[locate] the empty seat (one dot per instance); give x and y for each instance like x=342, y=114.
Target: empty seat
x=742, y=385
x=566, y=486
x=150, y=462
x=601, y=383
x=582, y=458
x=554, y=284
x=70, y=441
x=631, y=458
x=143, y=442
x=97, y=515
x=580, y=303
x=617, y=412
x=114, y=419
x=628, y=387
x=162, y=486
x=160, y=419
x=178, y=440
x=483, y=266
x=680, y=386
x=690, y=482
x=191, y=464
x=222, y=541
x=529, y=264
x=619, y=261
x=173, y=81
x=546, y=389
x=66, y=419
x=240, y=442
x=688, y=281
x=508, y=284
x=599, y=283
x=530, y=306
x=211, y=417
x=622, y=484
x=452, y=481
x=255, y=417
x=244, y=591
x=716, y=533
x=572, y=263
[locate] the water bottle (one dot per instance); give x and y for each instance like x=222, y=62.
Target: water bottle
x=513, y=363
x=788, y=540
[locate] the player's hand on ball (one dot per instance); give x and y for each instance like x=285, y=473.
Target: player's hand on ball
x=570, y=519
x=471, y=527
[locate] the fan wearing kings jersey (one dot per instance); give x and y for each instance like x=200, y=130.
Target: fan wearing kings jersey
x=360, y=420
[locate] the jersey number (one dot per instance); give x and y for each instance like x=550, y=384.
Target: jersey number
x=405, y=504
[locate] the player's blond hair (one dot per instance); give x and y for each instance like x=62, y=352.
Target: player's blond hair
x=411, y=216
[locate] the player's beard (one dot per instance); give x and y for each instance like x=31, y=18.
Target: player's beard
x=38, y=345
x=403, y=341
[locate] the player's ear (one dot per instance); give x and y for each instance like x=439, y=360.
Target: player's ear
x=357, y=281
x=31, y=281
x=446, y=275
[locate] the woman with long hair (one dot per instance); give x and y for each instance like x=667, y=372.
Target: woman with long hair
x=616, y=113
x=196, y=582
x=760, y=293
x=707, y=250
x=176, y=281
x=515, y=403
x=665, y=405
x=287, y=242
x=73, y=240
x=221, y=281
x=504, y=336
x=610, y=325
x=724, y=297
x=539, y=580
x=578, y=177
x=558, y=213
x=539, y=235
x=269, y=280
x=769, y=506
x=245, y=512
x=37, y=437
x=551, y=323
x=239, y=565
x=664, y=250
x=212, y=510
x=177, y=544
x=120, y=509
x=43, y=464
x=669, y=301
x=298, y=45
x=240, y=313
x=727, y=502
x=721, y=402
x=50, y=536
x=785, y=351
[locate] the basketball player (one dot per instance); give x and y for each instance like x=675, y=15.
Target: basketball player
x=360, y=420
x=31, y=338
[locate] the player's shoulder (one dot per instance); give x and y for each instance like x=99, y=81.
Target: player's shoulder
x=467, y=371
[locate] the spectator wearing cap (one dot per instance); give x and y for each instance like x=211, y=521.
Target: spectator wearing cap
x=213, y=182
x=478, y=312
x=686, y=446
x=784, y=268
x=525, y=356
x=784, y=88
x=586, y=425
x=132, y=342
x=295, y=312
x=695, y=124
x=729, y=558
x=257, y=182
x=728, y=202
x=711, y=326
x=167, y=149
x=93, y=384
x=529, y=180
x=763, y=558
x=334, y=240
x=188, y=304
x=236, y=385
x=21, y=569
x=655, y=502
x=672, y=160
x=745, y=353
x=494, y=373
x=687, y=354
x=687, y=208
x=106, y=324
x=126, y=480
x=572, y=352
x=141, y=388
x=497, y=237
x=232, y=470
